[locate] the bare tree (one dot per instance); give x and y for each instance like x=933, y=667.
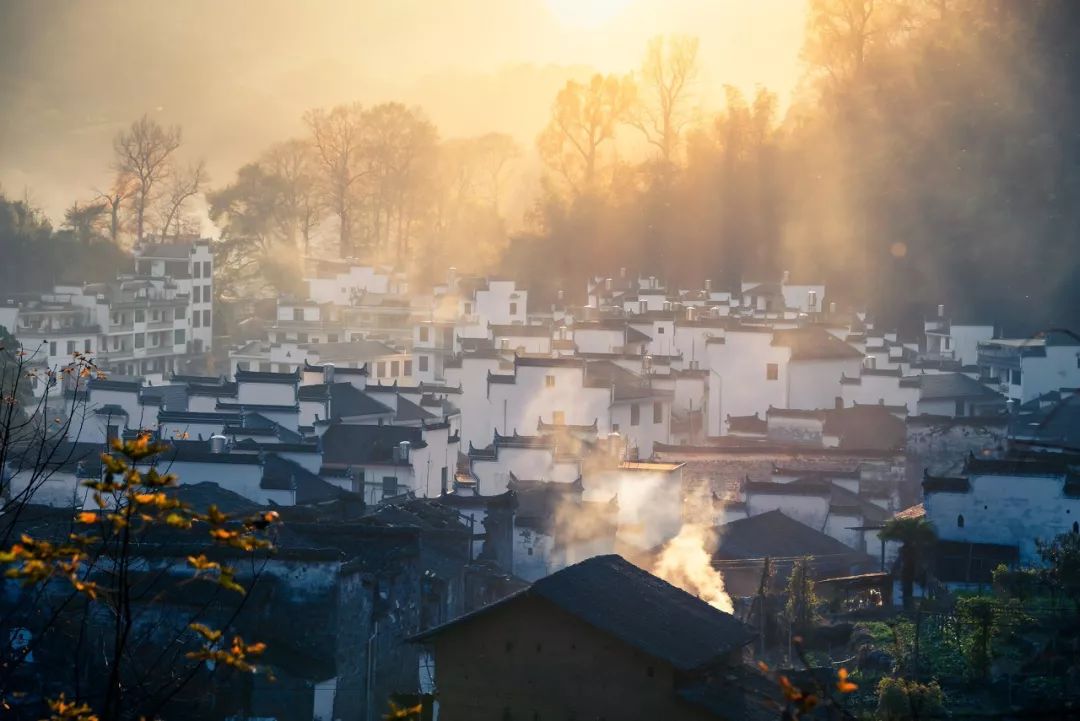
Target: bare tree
x=113, y=200
x=144, y=154
x=337, y=135
x=667, y=75
x=497, y=152
x=584, y=118
x=296, y=163
x=184, y=186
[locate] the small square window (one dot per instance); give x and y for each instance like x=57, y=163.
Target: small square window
x=772, y=371
x=423, y=363
x=513, y=309
x=423, y=334
x=635, y=414
x=207, y=269
x=394, y=368
x=549, y=381
x=389, y=486
x=660, y=330
x=196, y=271
x=408, y=367
x=658, y=412
x=86, y=345
x=206, y=318
x=380, y=371
x=196, y=293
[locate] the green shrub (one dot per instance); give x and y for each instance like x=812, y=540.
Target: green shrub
x=903, y=700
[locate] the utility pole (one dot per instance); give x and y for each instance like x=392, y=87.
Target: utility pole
x=765, y=569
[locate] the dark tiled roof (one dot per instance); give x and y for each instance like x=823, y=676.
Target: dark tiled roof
x=813, y=343
x=866, y=427
x=408, y=411
x=347, y=444
x=282, y=474
x=245, y=376
x=619, y=599
x=774, y=534
x=945, y=386
x=747, y=424
x=224, y=390
x=172, y=397
x=178, y=417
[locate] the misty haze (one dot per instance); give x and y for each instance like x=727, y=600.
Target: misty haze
x=522, y=360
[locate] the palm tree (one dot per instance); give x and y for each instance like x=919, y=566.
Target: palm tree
x=915, y=536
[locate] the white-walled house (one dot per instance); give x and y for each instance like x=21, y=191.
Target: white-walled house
x=342, y=283
x=521, y=338
x=1009, y=503
x=386, y=461
x=752, y=369
x=572, y=391
x=945, y=339
x=190, y=266
x=1025, y=368
x=470, y=373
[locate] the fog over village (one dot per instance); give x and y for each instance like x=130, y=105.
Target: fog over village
x=539, y=360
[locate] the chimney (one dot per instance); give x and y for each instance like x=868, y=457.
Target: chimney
x=811, y=300
x=608, y=284
x=941, y=310
x=643, y=306
x=708, y=285
x=622, y=272
x=451, y=279
x=667, y=306
x=403, y=451
x=691, y=312
x=832, y=308
x=217, y=444
x=328, y=373
x=652, y=282
x=614, y=444
x=786, y=277
x=559, y=295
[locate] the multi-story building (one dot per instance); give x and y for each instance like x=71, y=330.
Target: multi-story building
x=190, y=265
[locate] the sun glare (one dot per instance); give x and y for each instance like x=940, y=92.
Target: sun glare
x=586, y=13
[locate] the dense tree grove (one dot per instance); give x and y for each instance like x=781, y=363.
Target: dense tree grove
x=929, y=155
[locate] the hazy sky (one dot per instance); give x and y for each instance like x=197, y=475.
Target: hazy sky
x=238, y=74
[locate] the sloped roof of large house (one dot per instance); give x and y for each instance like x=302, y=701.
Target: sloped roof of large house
x=345, y=400
x=619, y=599
x=947, y=386
x=283, y=474
x=169, y=251
x=1054, y=427
x=813, y=343
x=775, y=535
x=866, y=427
x=347, y=444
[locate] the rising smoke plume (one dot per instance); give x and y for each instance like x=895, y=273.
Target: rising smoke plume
x=686, y=562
